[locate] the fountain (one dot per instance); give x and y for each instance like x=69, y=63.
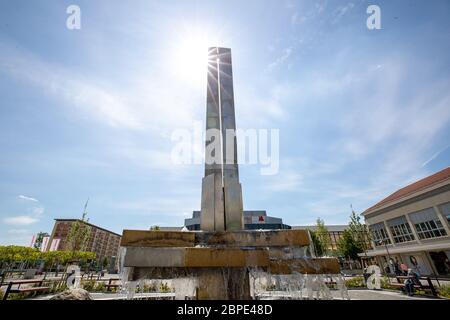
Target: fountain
x=219, y=261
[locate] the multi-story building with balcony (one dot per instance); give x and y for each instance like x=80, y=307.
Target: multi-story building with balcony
x=103, y=242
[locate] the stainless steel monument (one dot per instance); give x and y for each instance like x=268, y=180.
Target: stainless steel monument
x=222, y=255
x=221, y=206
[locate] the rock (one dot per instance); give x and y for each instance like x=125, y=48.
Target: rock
x=73, y=294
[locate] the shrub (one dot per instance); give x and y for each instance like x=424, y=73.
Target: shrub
x=386, y=285
x=149, y=287
x=112, y=289
x=420, y=292
x=94, y=286
x=89, y=285
x=444, y=291
x=332, y=286
x=58, y=287
x=100, y=287
x=17, y=296
x=271, y=287
x=164, y=287
x=355, y=282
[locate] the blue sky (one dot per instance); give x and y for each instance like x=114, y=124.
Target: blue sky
x=90, y=112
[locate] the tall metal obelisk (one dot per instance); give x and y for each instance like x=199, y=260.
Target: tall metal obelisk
x=221, y=208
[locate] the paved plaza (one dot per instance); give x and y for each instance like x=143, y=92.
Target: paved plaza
x=383, y=295
x=362, y=294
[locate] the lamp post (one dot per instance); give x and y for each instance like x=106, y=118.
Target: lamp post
x=389, y=256
x=366, y=239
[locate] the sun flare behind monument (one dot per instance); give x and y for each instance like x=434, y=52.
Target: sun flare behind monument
x=190, y=58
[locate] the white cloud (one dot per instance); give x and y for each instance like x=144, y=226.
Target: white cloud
x=20, y=220
x=19, y=231
x=175, y=205
x=380, y=120
x=75, y=90
x=434, y=156
x=342, y=11
x=295, y=18
x=303, y=11
x=154, y=99
x=22, y=197
x=260, y=111
x=38, y=211
x=285, y=181
x=280, y=60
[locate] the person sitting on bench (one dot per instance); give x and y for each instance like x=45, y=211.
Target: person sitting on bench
x=413, y=279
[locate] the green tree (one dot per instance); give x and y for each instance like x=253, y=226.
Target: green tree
x=323, y=235
x=105, y=262
x=12, y=254
x=348, y=246
x=321, y=238
x=79, y=234
x=50, y=258
x=155, y=228
x=355, y=239
x=359, y=230
x=318, y=248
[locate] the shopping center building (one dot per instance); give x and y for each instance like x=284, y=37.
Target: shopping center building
x=412, y=226
x=253, y=220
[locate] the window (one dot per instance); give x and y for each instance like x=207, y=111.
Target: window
x=379, y=234
x=401, y=231
x=428, y=224
x=445, y=209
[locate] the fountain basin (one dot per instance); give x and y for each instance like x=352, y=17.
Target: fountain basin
x=220, y=261
x=272, y=238
x=195, y=257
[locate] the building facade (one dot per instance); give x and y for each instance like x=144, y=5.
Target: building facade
x=103, y=242
x=253, y=220
x=411, y=226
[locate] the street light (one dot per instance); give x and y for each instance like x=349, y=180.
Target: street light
x=389, y=257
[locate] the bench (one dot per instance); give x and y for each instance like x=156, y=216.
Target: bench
x=429, y=286
x=11, y=283
x=92, y=276
x=110, y=284
x=402, y=285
